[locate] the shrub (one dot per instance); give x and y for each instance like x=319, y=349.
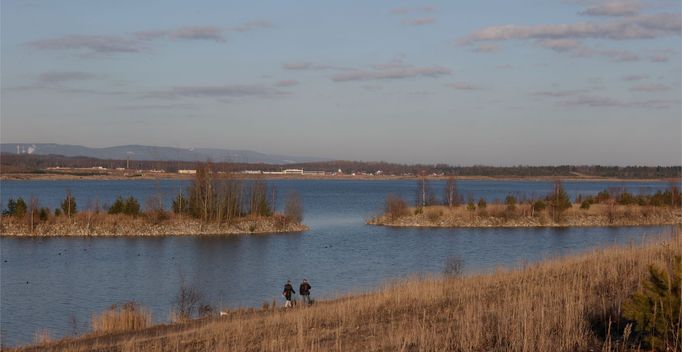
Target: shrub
x=396, y=207
x=20, y=208
x=57, y=212
x=434, y=214
x=293, y=208
x=510, y=201
x=180, y=205
x=482, y=203
x=539, y=205
x=132, y=207
x=418, y=210
x=117, y=207
x=127, y=317
x=656, y=308
x=44, y=214
x=471, y=206
x=585, y=205
x=558, y=201
x=69, y=206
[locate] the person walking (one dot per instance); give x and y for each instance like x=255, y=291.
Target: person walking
x=304, y=291
x=288, y=291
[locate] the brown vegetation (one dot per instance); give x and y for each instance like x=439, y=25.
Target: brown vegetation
x=569, y=304
x=526, y=215
x=128, y=317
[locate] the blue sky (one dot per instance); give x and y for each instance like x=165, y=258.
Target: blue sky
x=475, y=82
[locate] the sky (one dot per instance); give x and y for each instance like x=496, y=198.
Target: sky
x=537, y=82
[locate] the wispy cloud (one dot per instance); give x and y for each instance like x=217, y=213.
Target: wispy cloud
x=487, y=48
x=251, y=25
x=578, y=49
x=393, y=73
x=409, y=10
x=65, y=76
x=607, y=102
x=225, y=91
x=650, y=88
x=614, y=8
x=464, y=86
x=286, y=83
x=90, y=44
x=306, y=65
x=421, y=21
x=635, y=27
x=560, y=93
x=635, y=77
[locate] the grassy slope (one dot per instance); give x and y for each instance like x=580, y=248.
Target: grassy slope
x=565, y=304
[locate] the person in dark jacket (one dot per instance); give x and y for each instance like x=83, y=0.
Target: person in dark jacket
x=288, y=291
x=304, y=291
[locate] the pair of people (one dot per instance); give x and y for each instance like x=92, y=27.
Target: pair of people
x=303, y=290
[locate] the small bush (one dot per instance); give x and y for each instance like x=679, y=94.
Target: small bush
x=396, y=207
x=418, y=210
x=293, y=208
x=482, y=203
x=656, y=308
x=69, y=206
x=44, y=214
x=510, y=201
x=57, y=212
x=20, y=208
x=129, y=316
x=434, y=214
x=180, y=205
x=129, y=206
x=539, y=205
x=585, y=205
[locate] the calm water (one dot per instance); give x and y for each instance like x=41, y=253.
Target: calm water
x=55, y=284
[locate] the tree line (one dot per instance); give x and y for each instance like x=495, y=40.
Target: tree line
x=13, y=163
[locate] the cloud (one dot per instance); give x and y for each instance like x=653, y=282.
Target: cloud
x=394, y=73
x=464, y=86
x=607, y=102
x=60, y=77
x=614, y=8
x=560, y=93
x=577, y=49
x=138, y=41
x=659, y=58
x=199, y=33
x=90, y=44
x=210, y=33
x=635, y=27
x=650, y=88
x=635, y=77
x=305, y=65
x=419, y=21
x=251, y=25
x=286, y=83
x=408, y=10
x=486, y=48
x=225, y=91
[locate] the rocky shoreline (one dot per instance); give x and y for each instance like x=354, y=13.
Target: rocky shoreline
x=142, y=228
x=574, y=219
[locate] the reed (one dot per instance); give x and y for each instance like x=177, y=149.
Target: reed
x=128, y=317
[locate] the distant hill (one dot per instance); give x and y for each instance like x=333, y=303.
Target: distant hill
x=144, y=152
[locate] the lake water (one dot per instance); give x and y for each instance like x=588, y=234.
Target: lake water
x=56, y=284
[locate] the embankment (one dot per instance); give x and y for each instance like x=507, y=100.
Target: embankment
x=568, y=304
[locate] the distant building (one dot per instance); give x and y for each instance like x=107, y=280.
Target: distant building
x=314, y=173
x=191, y=172
x=293, y=172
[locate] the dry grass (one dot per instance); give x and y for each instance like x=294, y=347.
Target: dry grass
x=568, y=304
x=128, y=317
x=499, y=215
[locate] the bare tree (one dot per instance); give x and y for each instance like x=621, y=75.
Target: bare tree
x=33, y=208
x=293, y=208
x=450, y=193
x=424, y=194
